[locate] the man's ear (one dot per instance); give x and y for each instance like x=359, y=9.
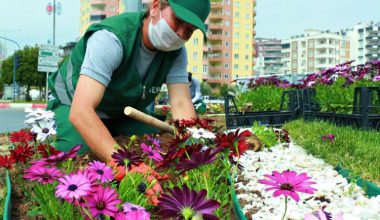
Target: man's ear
x=154, y=9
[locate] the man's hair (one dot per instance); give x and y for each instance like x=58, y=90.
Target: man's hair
x=190, y=76
x=163, y=4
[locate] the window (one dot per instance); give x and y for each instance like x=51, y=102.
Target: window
x=227, y=44
x=236, y=56
x=237, y=24
x=227, y=33
x=227, y=55
x=227, y=23
x=236, y=66
x=236, y=34
x=195, y=41
x=195, y=69
x=205, y=68
x=226, y=66
x=236, y=45
x=246, y=57
x=247, y=46
x=195, y=55
x=246, y=67
x=247, y=36
x=228, y=12
x=237, y=14
x=226, y=76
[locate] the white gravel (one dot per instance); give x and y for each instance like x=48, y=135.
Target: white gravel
x=333, y=190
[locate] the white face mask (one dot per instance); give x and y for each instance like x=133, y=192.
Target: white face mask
x=163, y=37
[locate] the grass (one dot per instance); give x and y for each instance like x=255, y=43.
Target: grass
x=354, y=149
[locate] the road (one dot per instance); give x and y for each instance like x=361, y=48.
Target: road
x=11, y=119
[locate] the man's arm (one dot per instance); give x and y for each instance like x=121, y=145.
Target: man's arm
x=198, y=93
x=180, y=101
x=87, y=97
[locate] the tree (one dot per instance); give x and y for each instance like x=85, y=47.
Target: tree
x=206, y=89
x=223, y=90
x=26, y=73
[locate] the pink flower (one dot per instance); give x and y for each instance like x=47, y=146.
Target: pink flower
x=43, y=175
x=329, y=137
x=100, y=171
x=135, y=212
x=152, y=154
x=103, y=202
x=74, y=186
x=288, y=183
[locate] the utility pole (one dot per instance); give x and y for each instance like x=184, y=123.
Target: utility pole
x=15, y=61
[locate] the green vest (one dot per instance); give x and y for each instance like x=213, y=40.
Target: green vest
x=126, y=87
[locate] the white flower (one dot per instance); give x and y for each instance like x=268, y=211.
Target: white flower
x=201, y=133
x=37, y=115
x=44, y=129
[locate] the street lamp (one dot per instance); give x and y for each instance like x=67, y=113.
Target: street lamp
x=56, y=9
x=5, y=35
x=15, y=61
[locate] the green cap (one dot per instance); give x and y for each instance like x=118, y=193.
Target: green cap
x=193, y=12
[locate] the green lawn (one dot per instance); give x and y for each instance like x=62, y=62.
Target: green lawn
x=357, y=150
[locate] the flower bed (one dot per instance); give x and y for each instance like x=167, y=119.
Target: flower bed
x=158, y=177
x=333, y=193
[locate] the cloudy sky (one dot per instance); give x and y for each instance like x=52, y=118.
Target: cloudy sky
x=28, y=23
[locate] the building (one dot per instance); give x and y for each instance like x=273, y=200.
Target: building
x=268, y=57
x=316, y=50
x=365, y=42
x=229, y=52
x=93, y=11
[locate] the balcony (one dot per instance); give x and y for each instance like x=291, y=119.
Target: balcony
x=215, y=16
x=97, y=2
x=216, y=4
x=325, y=45
x=215, y=26
x=215, y=59
x=215, y=47
x=216, y=69
x=212, y=37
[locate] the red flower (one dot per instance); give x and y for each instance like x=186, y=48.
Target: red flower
x=21, y=136
x=47, y=150
x=228, y=140
x=7, y=161
x=22, y=153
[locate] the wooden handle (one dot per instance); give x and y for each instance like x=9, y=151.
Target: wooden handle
x=147, y=119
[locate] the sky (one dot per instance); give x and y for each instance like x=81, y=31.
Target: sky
x=27, y=22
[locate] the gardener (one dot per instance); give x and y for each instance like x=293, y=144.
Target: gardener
x=196, y=94
x=123, y=61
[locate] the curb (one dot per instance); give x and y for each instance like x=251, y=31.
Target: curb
x=22, y=105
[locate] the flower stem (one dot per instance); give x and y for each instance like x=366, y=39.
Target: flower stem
x=286, y=208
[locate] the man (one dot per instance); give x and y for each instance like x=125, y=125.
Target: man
x=196, y=94
x=123, y=61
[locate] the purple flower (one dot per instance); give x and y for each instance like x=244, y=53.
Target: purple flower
x=100, y=171
x=123, y=157
x=53, y=159
x=322, y=215
x=288, y=183
x=103, y=202
x=186, y=203
x=197, y=159
x=135, y=212
x=156, y=143
x=74, y=186
x=152, y=154
x=42, y=174
x=376, y=78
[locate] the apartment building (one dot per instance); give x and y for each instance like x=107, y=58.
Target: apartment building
x=315, y=50
x=93, y=11
x=268, y=57
x=229, y=51
x=365, y=42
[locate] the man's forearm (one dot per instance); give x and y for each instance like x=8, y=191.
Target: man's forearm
x=94, y=132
